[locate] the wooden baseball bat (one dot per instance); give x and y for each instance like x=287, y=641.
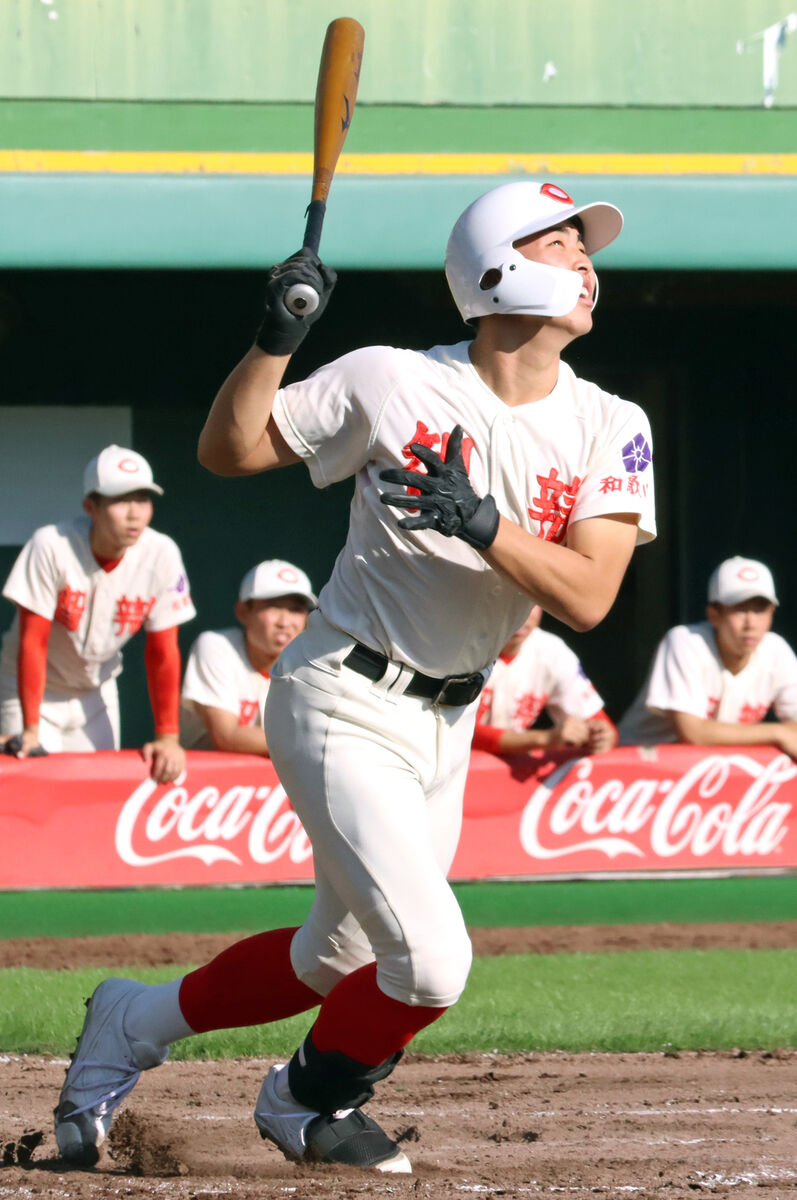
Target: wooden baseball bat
x=335, y=95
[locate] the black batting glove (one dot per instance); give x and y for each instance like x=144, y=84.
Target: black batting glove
x=447, y=502
x=282, y=331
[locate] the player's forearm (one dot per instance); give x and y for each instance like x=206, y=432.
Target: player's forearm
x=525, y=739
x=32, y=666
x=700, y=731
x=495, y=740
x=571, y=586
x=239, y=739
x=162, y=662
x=235, y=430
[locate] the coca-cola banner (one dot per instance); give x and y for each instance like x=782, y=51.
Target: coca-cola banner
x=98, y=821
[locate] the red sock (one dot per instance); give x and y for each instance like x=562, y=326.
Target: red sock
x=250, y=983
x=359, y=1020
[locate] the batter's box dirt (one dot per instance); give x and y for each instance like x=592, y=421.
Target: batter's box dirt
x=521, y=1125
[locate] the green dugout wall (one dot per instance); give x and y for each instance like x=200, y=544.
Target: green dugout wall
x=154, y=158
x=179, y=134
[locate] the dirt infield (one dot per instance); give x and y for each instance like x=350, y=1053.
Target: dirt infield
x=667, y=1126
x=155, y=950
x=519, y=1125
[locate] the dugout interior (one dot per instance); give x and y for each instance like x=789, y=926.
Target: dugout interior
x=705, y=353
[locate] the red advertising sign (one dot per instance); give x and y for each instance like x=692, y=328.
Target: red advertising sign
x=98, y=821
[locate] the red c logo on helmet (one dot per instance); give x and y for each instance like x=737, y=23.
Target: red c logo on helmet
x=556, y=193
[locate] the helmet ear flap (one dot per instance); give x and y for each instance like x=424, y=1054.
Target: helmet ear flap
x=490, y=279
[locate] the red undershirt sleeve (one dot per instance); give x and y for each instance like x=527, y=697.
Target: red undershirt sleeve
x=487, y=737
x=162, y=660
x=34, y=634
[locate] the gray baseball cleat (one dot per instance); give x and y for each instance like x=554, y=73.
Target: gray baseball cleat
x=347, y=1137
x=104, y=1069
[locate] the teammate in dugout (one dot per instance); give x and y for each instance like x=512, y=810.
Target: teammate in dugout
x=712, y=683
x=537, y=672
x=519, y=484
x=228, y=671
x=82, y=588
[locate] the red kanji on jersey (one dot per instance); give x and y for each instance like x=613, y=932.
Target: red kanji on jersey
x=611, y=484
x=424, y=438
x=130, y=615
x=248, y=712
x=70, y=608
x=527, y=709
x=751, y=714
x=712, y=707
x=553, y=505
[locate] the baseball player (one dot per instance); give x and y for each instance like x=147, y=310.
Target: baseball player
x=82, y=588
x=537, y=672
x=712, y=683
x=516, y=483
x=228, y=671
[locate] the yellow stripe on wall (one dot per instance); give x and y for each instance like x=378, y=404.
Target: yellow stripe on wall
x=173, y=162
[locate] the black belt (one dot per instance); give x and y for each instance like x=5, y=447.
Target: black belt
x=454, y=690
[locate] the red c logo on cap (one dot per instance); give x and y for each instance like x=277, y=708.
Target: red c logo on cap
x=128, y=464
x=748, y=573
x=287, y=575
x=556, y=193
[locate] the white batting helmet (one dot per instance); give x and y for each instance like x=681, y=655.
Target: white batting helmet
x=487, y=274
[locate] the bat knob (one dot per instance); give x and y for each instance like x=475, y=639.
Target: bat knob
x=301, y=299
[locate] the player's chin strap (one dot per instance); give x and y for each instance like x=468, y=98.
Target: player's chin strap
x=447, y=502
x=329, y=1080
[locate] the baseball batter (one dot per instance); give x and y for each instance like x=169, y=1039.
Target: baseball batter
x=82, y=588
x=516, y=483
x=537, y=672
x=712, y=683
x=228, y=671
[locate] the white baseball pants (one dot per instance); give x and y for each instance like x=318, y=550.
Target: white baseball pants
x=377, y=779
x=76, y=722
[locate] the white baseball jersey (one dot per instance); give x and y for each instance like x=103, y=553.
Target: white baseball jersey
x=93, y=612
x=218, y=674
x=544, y=674
x=433, y=602
x=688, y=676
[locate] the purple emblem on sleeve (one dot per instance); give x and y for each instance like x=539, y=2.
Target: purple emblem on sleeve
x=636, y=454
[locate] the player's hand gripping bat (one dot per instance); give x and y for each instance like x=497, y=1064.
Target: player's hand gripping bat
x=336, y=92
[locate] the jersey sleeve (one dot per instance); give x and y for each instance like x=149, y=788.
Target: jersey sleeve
x=328, y=419
x=173, y=604
x=33, y=581
x=210, y=675
x=619, y=477
x=570, y=692
x=676, y=681
x=785, y=702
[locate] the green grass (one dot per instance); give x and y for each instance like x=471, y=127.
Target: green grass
x=646, y=1000
x=585, y=902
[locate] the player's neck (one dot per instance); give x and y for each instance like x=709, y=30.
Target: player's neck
x=735, y=663
x=519, y=368
x=104, y=549
x=259, y=659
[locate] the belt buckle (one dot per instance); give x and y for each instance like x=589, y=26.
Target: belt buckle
x=449, y=679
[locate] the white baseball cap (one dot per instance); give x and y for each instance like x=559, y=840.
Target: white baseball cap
x=275, y=577
x=738, y=579
x=116, y=471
